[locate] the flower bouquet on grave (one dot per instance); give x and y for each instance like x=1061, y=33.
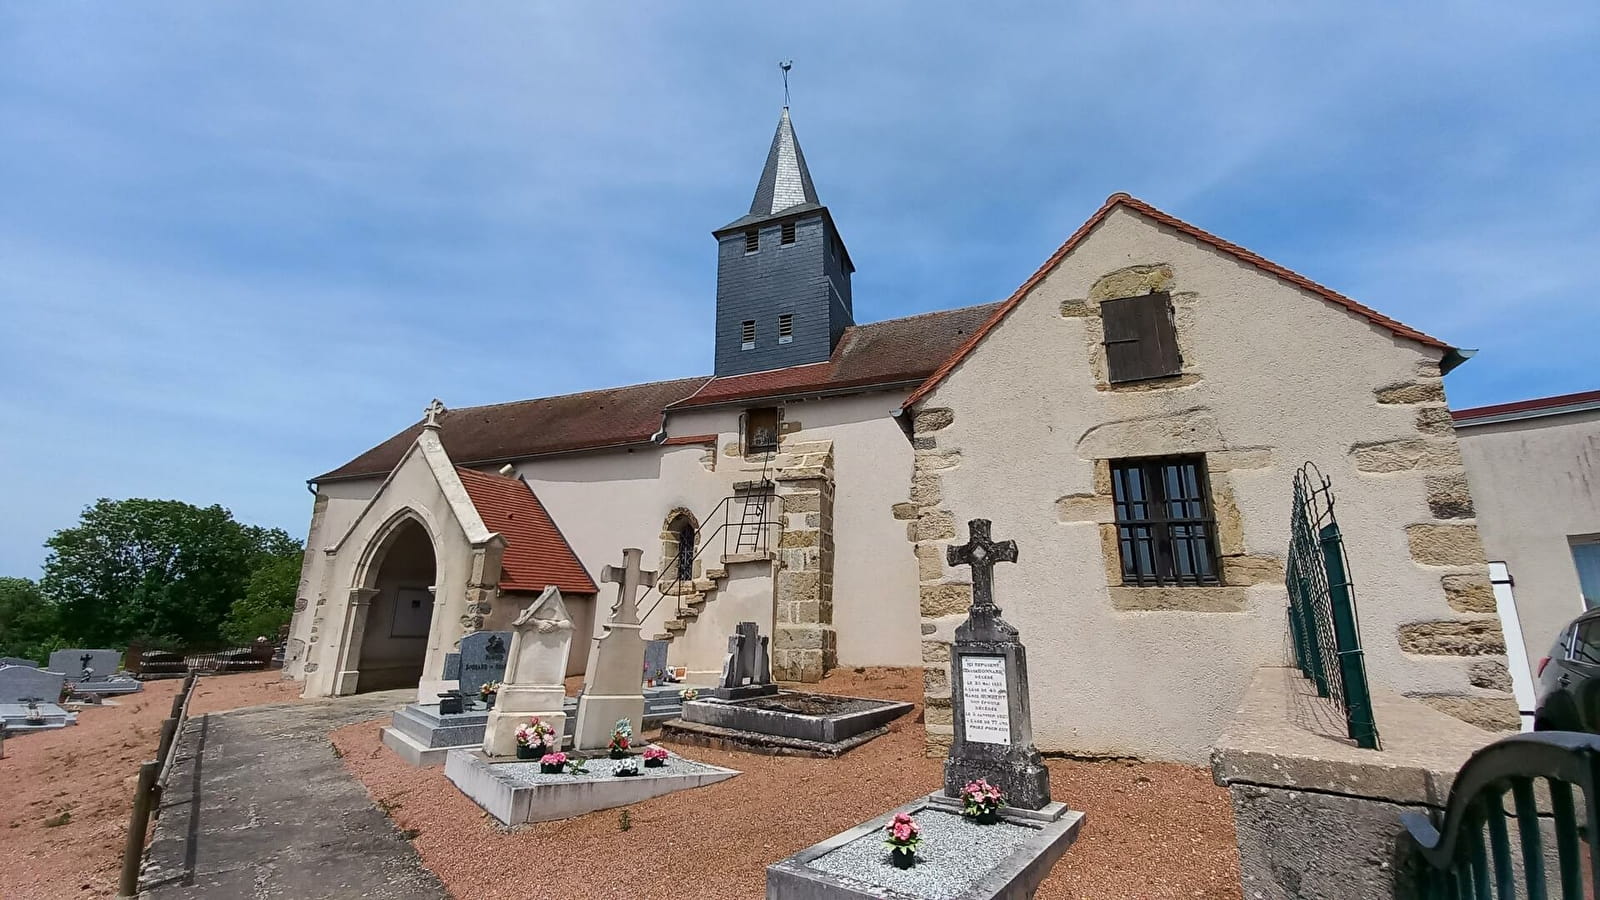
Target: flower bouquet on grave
x=535, y=738
x=689, y=694
x=981, y=802
x=627, y=768
x=578, y=766
x=487, y=692
x=621, y=738
x=552, y=763
x=655, y=757
x=905, y=835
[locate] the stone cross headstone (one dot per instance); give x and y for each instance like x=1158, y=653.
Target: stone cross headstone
x=534, y=684
x=746, y=663
x=101, y=664
x=19, y=684
x=483, y=659
x=989, y=687
x=655, y=661
x=612, y=687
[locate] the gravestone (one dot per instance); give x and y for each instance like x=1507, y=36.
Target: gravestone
x=989, y=688
x=19, y=684
x=535, y=676
x=483, y=659
x=17, y=661
x=655, y=661
x=746, y=670
x=612, y=688
x=72, y=663
x=452, y=666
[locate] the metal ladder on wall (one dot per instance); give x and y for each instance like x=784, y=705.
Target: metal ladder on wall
x=754, y=516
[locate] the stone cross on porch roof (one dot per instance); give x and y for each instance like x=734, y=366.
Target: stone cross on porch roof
x=431, y=414
x=629, y=578
x=981, y=553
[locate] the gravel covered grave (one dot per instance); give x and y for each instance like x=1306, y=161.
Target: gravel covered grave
x=528, y=772
x=954, y=854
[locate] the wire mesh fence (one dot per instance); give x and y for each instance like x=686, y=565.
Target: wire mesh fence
x=1322, y=606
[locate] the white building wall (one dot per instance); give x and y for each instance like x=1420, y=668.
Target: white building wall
x=1274, y=376
x=1536, y=487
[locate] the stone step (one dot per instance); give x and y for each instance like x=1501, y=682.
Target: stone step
x=748, y=556
x=663, y=637
x=688, y=614
x=716, y=574
x=676, y=625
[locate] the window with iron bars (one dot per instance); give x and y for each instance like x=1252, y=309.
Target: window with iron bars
x=1166, y=531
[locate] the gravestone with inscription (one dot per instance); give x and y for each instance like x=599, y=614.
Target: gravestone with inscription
x=989, y=688
x=483, y=659
x=17, y=661
x=655, y=661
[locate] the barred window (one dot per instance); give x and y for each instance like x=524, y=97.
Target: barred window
x=786, y=328
x=752, y=241
x=787, y=233
x=747, y=335
x=1166, y=531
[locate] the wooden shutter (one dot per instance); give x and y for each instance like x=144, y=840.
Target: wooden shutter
x=1140, y=339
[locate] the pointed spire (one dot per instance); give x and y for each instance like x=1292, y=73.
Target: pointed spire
x=785, y=182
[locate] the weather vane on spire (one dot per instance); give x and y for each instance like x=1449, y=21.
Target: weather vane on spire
x=786, y=65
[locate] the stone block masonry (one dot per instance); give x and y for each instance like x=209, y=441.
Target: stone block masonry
x=1445, y=539
x=804, y=644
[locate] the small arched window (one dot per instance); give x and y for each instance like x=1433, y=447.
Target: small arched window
x=685, y=533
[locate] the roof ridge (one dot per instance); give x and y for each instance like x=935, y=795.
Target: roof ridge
x=931, y=312
x=1122, y=198
x=601, y=390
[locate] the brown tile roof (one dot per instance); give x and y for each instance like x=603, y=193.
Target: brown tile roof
x=1204, y=237
x=475, y=435
x=897, y=351
x=1523, y=406
x=537, y=553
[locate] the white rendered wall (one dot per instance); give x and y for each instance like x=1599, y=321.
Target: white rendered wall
x=1535, y=484
x=1279, y=369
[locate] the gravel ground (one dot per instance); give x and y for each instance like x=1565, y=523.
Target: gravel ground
x=953, y=854
x=87, y=773
x=1154, y=831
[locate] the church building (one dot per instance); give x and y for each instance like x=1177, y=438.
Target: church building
x=1133, y=416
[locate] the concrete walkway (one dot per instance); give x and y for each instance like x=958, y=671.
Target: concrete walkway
x=258, y=806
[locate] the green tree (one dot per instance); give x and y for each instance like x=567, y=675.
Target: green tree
x=159, y=570
x=268, y=601
x=28, y=626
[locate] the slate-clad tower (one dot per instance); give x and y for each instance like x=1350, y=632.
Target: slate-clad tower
x=783, y=274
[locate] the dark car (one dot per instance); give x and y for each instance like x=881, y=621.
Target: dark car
x=1569, y=679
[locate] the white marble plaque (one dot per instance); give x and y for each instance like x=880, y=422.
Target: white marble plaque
x=984, y=707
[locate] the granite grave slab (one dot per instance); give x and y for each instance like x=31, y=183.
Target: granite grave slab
x=483, y=659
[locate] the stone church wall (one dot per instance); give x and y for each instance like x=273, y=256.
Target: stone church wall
x=1023, y=431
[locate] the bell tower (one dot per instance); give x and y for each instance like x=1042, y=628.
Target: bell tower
x=783, y=274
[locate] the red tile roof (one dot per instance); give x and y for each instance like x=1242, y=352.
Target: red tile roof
x=898, y=351
x=1523, y=406
x=537, y=553
x=1205, y=237
x=479, y=435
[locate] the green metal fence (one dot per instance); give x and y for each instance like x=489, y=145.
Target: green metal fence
x=1469, y=852
x=1322, y=606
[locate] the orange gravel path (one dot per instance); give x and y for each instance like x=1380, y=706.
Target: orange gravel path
x=1154, y=831
x=89, y=771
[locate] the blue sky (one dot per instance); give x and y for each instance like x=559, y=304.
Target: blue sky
x=240, y=243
